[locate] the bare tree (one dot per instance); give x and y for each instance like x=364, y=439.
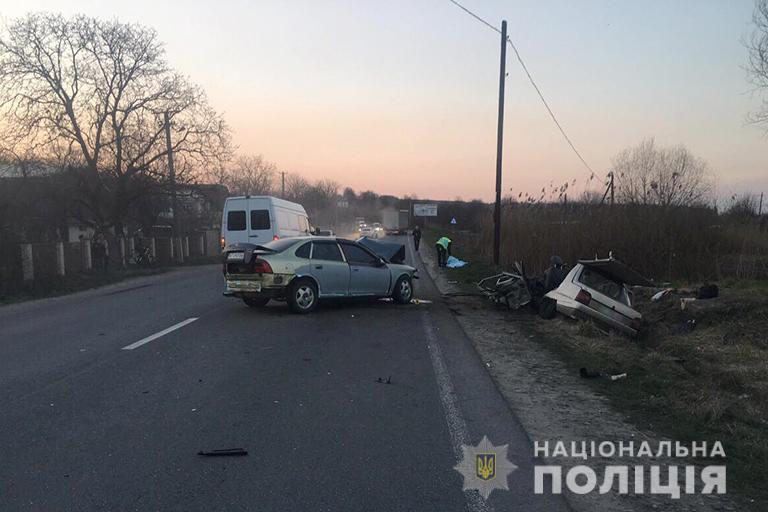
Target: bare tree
x=648, y=174
x=757, y=62
x=249, y=175
x=92, y=95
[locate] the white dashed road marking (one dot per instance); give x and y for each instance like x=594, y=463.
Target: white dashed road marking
x=146, y=340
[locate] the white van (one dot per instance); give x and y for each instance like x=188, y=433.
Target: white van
x=260, y=219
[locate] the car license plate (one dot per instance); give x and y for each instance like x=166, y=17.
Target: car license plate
x=236, y=256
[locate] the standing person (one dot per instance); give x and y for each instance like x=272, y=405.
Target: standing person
x=443, y=246
x=416, y=237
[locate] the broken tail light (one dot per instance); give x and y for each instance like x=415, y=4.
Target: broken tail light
x=275, y=237
x=584, y=297
x=261, y=266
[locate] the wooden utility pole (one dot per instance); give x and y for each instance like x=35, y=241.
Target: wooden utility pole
x=499, y=146
x=760, y=208
x=171, y=171
x=612, y=193
x=283, y=178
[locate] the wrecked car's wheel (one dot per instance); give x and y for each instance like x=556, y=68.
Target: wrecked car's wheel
x=403, y=292
x=302, y=296
x=256, y=302
x=547, y=308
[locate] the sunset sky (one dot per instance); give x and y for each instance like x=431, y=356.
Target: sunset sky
x=400, y=96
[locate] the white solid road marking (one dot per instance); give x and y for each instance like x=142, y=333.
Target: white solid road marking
x=159, y=334
x=457, y=427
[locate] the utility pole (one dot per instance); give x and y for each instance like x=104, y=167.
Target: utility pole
x=612, y=194
x=760, y=208
x=171, y=171
x=283, y=178
x=499, y=144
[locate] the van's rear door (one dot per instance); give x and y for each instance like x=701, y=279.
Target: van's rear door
x=260, y=221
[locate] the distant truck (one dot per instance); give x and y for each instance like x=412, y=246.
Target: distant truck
x=395, y=221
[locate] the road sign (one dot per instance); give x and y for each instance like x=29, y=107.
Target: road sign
x=425, y=210
x=453, y=220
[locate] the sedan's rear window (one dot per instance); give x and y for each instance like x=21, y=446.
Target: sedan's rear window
x=260, y=220
x=236, y=220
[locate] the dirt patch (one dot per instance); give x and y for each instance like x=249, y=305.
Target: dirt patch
x=535, y=364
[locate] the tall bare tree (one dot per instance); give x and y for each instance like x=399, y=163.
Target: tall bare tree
x=757, y=61
x=92, y=95
x=671, y=176
x=248, y=175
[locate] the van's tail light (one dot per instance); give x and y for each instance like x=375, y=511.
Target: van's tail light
x=261, y=267
x=584, y=297
x=275, y=237
x=222, y=243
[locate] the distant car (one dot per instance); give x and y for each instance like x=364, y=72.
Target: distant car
x=598, y=290
x=366, y=230
x=303, y=270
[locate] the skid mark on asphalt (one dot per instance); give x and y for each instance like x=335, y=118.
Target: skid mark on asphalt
x=457, y=426
x=159, y=334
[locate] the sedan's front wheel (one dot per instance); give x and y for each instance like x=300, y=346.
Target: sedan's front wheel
x=403, y=292
x=302, y=296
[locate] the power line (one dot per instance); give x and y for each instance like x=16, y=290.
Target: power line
x=533, y=83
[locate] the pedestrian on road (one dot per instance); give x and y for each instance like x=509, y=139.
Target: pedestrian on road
x=416, y=237
x=443, y=246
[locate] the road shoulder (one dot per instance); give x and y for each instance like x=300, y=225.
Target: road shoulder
x=552, y=403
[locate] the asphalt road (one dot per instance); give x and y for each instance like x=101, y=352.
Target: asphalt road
x=87, y=425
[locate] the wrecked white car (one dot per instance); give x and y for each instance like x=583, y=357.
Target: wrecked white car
x=599, y=290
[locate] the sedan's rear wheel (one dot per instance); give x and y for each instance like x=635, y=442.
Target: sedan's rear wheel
x=302, y=296
x=403, y=292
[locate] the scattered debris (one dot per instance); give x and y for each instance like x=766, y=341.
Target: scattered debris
x=382, y=381
x=708, y=291
x=420, y=301
x=660, y=295
x=227, y=452
x=508, y=288
x=586, y=374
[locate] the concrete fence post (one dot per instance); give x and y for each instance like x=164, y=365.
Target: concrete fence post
x=85, y=252
x=172, y=248
x=179, y=249
x=201, y=244
x=131, y=247
x=27, y=262
x=60, y=262
x=121, y=246
x=186, y=247
x=153, y=248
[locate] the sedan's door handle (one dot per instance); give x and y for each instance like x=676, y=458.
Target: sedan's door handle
x=355, y=269
x=318, y=267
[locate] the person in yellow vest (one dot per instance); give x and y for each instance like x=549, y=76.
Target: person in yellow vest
x=443, y=246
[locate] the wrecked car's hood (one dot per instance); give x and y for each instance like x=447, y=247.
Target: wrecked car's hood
x=617, y=270
x=392, y=252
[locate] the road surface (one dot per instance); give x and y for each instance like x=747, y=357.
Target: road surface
x=108, y=395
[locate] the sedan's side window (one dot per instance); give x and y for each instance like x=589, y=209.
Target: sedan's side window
x=303, y=251
x=328, y=251
x=359, y=256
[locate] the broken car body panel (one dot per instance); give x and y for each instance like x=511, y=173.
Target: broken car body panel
x=597, y=290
